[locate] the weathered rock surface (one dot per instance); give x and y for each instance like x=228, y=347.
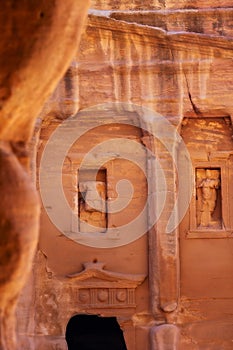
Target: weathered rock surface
x=38, y=40
x=158, y=4
x=19, y=222
x=175, y=58
x=31, y=60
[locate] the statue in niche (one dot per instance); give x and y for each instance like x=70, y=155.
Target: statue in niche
x=207, y=184
x=92, y=206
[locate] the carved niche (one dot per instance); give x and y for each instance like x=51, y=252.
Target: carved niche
x=92, y=197
x=208, y=198
x=98, y=288
x=210, y=144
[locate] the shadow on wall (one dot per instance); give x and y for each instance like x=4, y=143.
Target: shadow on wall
x=91, y=332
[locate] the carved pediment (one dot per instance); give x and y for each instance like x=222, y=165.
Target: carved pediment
x=100, y=288
x=94, y=274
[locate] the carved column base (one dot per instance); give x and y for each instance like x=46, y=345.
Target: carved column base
x=165, y=337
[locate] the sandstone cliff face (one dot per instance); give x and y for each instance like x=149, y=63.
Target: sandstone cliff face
x=170, y=61
x=175, y=58
x=158, y=4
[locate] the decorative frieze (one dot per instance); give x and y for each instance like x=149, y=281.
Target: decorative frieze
x=98, y=288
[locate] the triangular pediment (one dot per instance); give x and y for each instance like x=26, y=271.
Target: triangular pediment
x=95, y=274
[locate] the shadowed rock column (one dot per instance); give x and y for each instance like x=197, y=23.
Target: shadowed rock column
x=38, y=40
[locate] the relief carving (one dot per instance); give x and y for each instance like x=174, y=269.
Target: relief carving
x=208, y=198
x=99, y=288
x=92, y=206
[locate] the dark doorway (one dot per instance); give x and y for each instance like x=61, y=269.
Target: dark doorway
x=91, y=332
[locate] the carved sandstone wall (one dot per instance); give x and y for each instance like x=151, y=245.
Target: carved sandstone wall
x=177, y=60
